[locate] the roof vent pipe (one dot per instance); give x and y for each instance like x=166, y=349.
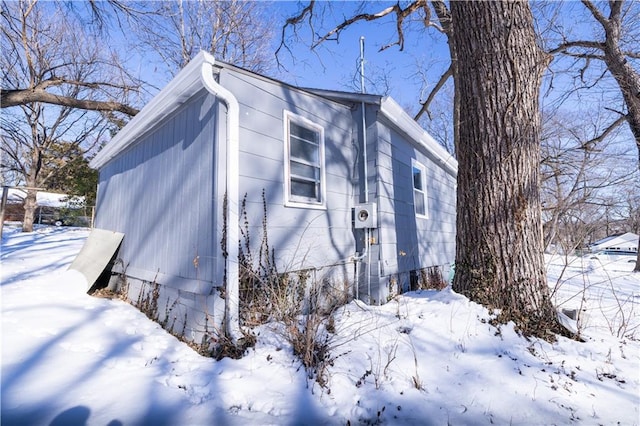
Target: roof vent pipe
x=232, y=293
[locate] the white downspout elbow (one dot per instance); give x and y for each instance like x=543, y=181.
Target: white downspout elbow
x=232, y=293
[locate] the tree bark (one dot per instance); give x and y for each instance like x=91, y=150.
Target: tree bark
x=499, y=244
x=10, y=98
x=30, y=201
x=30, y=205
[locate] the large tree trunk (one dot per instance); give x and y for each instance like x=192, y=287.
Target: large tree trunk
x=499, y=245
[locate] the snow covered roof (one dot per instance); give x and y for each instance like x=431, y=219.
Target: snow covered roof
x=43, y=199
x=627, y=241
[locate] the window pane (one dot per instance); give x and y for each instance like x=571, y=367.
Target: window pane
x=304, y=173
x=417, y=178
x=418, y=199
x=304, y=170
x=303, y=133
x=304, y=150
x=304, y=189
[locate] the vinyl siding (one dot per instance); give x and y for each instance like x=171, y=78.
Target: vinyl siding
x=159, y=193
x=301, y=237
x=409, y=242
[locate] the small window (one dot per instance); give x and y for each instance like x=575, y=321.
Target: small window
x=304, y=161
x=419, y=189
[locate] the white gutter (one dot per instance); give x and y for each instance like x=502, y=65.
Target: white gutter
x=185, y=84
x=232, y=293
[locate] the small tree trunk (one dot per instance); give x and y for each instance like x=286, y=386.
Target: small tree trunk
x=30, y=205
x=499, y=244
x=637, y=268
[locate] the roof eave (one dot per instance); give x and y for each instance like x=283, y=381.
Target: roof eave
x=180, y=89
x=397, y=115
x=345, y=97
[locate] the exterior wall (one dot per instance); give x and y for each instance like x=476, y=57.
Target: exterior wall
x=300, y=237
x=159, y=193
x=166, y=193
x=408, y=242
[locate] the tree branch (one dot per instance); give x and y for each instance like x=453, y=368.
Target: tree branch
x=10, y=98
x=292, y=22
x=588, y=144
x=596, y=13
x=615, y=8
x=400, y=13
x=444, y=16
x=425, y=106
x=562, y=48
x=333, y=34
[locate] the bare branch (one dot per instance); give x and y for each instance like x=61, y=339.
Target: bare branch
x=292, y=22
x=361, y=17
x=588, y=144
x=401, y=15
x=425, y=105
x=444, y=15
x=10, y=98
x=587, y=44
x=596, y=12
x=615, y=7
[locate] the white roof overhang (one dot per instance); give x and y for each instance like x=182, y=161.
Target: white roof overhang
x=397, y=115
x=183, y=86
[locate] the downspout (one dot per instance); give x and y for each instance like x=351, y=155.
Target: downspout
x=232, y=293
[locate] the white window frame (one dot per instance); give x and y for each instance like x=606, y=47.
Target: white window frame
x=297, y=200
x=422, y=191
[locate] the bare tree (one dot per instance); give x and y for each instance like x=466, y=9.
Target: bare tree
x=63, y=86
x=234, y=31
x=52, y=82
x=617, y=48
x=581, y=167
x=497, y=69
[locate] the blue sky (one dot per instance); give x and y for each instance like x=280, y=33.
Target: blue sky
x=334, y=64
x=410, y=74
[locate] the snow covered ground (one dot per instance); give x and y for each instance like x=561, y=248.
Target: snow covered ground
x=424, y=358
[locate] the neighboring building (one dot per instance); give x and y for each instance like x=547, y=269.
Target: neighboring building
x=51, y=208
x=627, y=242
x=369, y=214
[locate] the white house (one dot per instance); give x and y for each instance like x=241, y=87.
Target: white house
x=348, y=186
x=627, y=242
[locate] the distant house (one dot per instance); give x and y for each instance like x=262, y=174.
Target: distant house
x=51, y=208
x=224, y=161
x=627, y=242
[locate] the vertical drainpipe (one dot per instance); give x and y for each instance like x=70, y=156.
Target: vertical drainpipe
x=232, y=293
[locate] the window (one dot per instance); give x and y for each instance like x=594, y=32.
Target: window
x=304, y=161
x=419, y=189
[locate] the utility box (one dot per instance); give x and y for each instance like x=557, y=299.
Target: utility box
x=365, y=216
